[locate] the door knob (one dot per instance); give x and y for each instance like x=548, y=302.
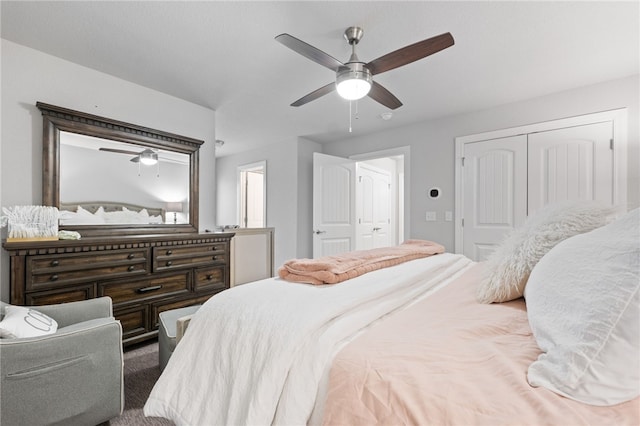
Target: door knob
x=376, y=229
x=318, y=232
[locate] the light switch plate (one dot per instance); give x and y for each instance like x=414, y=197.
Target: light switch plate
x=431, y=217
x=448, y=216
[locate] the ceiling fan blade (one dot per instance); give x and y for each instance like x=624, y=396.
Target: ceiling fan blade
x=410, y=53
x=324, y=90
x=379, y=94
x=119, y=151
x=310, y=52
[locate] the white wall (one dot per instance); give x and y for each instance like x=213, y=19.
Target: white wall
x=29, y=76
x=283, y=194
x=432, y=145
x=306, y=148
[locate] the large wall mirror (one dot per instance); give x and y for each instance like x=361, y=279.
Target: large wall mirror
x=113, y=178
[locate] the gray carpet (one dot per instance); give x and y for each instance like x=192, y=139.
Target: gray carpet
x=141, y=371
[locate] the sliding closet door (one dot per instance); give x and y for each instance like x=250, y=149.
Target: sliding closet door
x=574, y=163
x=495, y=192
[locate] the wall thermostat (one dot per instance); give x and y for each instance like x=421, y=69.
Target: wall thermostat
x=434, y=193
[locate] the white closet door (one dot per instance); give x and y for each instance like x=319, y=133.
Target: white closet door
x=574, y=163
x=373, y=200
x=495, y=192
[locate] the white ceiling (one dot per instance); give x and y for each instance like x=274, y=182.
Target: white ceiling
x=223, y=55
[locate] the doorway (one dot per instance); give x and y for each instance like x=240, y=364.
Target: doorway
x=358, y=202
x=252, y=196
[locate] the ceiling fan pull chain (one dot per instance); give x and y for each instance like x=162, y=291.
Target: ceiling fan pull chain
x=158, y=169
x=350, y=129
x=139, y=167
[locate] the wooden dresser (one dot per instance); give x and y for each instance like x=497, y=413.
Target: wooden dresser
x=143, y=274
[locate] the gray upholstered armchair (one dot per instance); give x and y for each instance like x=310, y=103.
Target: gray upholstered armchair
x=71, y=377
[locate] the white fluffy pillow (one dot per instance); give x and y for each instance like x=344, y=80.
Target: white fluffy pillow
x=583, y=303
x=21, y=321
x=508, y=267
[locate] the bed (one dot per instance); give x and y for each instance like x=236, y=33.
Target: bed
x=104, y=212
x=411, y=344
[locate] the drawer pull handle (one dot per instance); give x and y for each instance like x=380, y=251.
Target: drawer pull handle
x=131, y=256
x=169, y=252
x=55, y=263
x=148, y=289
x=169, y=263
x=209, y=277
x=131, y=268
x=54, y=277
x=215, y=257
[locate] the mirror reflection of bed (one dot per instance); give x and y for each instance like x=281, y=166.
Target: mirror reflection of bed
x=124, y=176
x=102, y=213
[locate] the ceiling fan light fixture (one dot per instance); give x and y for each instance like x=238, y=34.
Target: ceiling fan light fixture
x=148, y=157
x=353, y=82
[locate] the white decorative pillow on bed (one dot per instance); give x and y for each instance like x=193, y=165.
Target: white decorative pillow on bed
x=508, y=267
x=583, y=303
x=20, y=321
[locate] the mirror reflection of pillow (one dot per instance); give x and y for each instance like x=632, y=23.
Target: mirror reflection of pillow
x=99, y=212
x=583, y=304
x=156, y=219
x=143, y=216
x=126, y=216
x=81, y=217
x=118, y=217
x=66, y=217
x=83, y=212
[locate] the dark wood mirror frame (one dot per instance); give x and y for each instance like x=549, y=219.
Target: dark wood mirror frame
x=57, y=119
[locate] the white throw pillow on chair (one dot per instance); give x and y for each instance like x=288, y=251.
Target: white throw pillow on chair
x=22, y=321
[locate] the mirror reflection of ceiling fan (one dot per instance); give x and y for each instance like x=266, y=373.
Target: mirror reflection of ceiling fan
x=148, y=157
x=354, y=79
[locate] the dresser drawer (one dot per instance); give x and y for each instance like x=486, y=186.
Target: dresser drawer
x=123, y=291
x=173, y=257
x=134, y=320
x=67, y=269
x=210, y=278
x=65, y=295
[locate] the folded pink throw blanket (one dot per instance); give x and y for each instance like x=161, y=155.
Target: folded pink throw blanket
x=338, y=268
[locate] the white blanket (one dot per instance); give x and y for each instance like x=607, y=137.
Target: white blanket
x=256, y=354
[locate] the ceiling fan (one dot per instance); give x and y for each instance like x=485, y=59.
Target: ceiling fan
x=147, y=156
x=354, y=78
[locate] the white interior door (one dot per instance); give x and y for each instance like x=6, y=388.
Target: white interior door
x=254, y=199
x=333, y=205
x=574, y=163
x=575, y=158
x=373, y=203
x=495, y=192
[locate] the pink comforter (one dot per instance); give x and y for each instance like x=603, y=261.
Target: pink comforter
x=448, y=360
x=338, y=268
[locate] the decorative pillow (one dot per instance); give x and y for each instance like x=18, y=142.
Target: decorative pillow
x=508, y=267
x=84, y=217
x=583, y=303
x=21, y=321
